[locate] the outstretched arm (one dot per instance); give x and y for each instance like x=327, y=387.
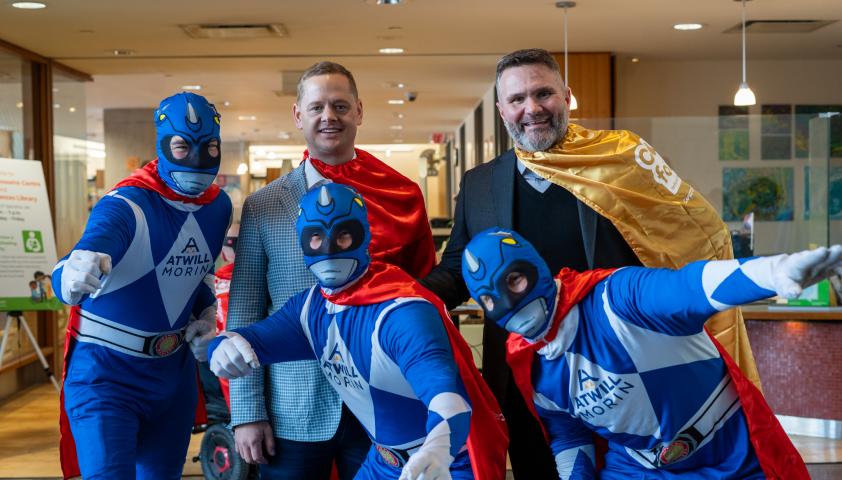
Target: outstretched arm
x=413, y=336
x=278, y=338
x=678, y=302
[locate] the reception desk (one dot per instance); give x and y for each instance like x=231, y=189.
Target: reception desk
x=798, y=351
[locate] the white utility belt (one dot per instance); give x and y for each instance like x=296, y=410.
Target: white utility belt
x=91, y=328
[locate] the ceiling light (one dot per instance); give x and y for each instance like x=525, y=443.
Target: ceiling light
x=247, y=117
x=391, y=51
x=396, y=127
x=389, y=2
x=398, y=115
x=72, y=109
x=19, y=105
x=226, y=103
x=29, y=5
x=284, y=135
x=121, y=52
x=395, y=102
x=635, y=59
x=56, y=105
x=687, y=26
x=565, y=5
x=744, y=95
x=191, y=87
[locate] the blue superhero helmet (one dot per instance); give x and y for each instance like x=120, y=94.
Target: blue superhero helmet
x=188, y=143
x=510, y=281
x=333, y=231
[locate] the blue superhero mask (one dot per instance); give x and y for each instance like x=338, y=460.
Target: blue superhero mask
x=334, y=235
x=188, y=143
x=510, y=281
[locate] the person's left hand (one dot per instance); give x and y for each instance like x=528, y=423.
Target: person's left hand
x=799, y=270
x=200, y=331
x=429, y=464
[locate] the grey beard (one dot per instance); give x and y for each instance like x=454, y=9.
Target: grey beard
x=538, y=142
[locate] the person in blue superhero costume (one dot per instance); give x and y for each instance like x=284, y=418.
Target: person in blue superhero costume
x=141, y=280
x=391, y=362
x=627, y=359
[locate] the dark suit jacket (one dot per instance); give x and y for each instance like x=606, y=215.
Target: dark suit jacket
x=485, y=200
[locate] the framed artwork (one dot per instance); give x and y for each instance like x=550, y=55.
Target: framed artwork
x=803, y=115
x=733, y=132
x=768, y=192
x=776, y=132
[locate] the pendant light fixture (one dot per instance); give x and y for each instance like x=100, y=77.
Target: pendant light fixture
x=744, y=95
x=565, y=5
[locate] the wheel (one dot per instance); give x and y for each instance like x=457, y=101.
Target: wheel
x=219, y=458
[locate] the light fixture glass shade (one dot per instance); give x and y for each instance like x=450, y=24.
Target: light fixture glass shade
x=744, y=96
x=573, y=103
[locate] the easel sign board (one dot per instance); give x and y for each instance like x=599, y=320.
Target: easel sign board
x=27, y=242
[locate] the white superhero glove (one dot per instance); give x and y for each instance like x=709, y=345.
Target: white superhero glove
x=432, y=464
x=233, y=357
x=81, y=274
x=791, y=274
x=200, y=331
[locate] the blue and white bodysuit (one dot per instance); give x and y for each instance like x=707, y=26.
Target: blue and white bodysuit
x=390, y=362
x=130, y=387
x=633, y=364
x=630, y=362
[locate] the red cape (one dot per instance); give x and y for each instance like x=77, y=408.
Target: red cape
x=400, y=232
x=488, y=438
x=777, y=456
x=146, y=177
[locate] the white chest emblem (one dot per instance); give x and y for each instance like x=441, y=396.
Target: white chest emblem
x=183, y=267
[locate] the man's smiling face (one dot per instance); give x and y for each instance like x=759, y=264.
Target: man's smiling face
x=534, y=105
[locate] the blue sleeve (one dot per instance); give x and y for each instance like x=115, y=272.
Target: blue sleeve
x=679, y=302
x=110, y=229
x=571, y=443
x=278, y=338
x=413, y=336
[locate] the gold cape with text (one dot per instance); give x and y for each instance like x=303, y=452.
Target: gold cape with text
x=665, y=221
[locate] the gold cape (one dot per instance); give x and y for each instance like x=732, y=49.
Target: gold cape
x=665, y=221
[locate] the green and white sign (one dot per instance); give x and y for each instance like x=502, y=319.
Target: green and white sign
x=27, y=243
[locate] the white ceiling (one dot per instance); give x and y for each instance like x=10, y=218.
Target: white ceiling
x=451, y=48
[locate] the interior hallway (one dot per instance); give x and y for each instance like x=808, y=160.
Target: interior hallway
x=29, y=439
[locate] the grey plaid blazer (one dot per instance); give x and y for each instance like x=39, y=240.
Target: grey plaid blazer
x=269, y=268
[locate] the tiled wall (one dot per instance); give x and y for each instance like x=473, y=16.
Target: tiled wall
x=800, y=366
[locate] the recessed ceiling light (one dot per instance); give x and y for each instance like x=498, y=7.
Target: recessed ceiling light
x=72, y=109
x=247, y=117
x=635, y=59
x=396, y=127
x=395, y=85
x=121, y=52
x=29, y=5
x=395, y=102
x=226, y=103
x=389, y=2
x=398, y=114
x=191, y=87
x=687, y=26
x=391, y=51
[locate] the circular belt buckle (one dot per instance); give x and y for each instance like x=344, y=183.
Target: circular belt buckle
x=165, y=344
x=388, y=456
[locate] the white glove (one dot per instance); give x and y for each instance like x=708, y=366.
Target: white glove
x=428, y=464
x=793, y=273
x=234, y=357
x=200, y=331
x=82, y=271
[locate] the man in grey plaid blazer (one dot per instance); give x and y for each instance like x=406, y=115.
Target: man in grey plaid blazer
x=288, y=410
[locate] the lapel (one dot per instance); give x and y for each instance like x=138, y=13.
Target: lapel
x=503, y=172
x=293, y=187
x=587, y=222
